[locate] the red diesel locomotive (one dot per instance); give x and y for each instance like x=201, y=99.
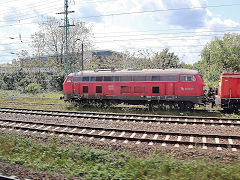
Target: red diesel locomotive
x=229, y=91
x=180, y=87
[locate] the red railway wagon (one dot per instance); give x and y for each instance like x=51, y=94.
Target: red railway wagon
x=183, y=87
x=229, y=91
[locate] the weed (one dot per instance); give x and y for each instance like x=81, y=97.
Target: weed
x=83, y=161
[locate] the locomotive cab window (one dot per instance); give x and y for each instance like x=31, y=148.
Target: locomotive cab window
x=139, y=78
x=92, y=79
x=155, y=78
x=85, y=89
x=77, y=79
x=85, y=78
x=99, y=78
x=187, y=78
x=170, y=78
x=155, y=90
x=125, y=78
x=69, y=79
x=107, y=78
x=98, y=89
x=116, y=78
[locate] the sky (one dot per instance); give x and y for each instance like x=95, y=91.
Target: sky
x=182, y=26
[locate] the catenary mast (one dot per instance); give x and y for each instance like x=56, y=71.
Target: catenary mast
x=66, y=26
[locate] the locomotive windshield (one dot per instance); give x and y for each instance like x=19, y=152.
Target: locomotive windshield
x=169, y=78
x=69, y=79
x=187, y=78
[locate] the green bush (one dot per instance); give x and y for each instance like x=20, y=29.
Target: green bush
x=33, y=88
x=17, y=79
x=3, y=85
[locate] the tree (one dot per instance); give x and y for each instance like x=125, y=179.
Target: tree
x=143, y=59
x=186, y=66
x=218, y=56
x=109, y=62
x=49, y=40
x=165, y=59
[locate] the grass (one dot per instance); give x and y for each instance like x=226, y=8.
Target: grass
x=43, y=98
x=234, y=115
x=16, y=94
x=82, y=161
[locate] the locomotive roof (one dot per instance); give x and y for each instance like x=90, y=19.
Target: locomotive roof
x=135, y=72
x=231, y=74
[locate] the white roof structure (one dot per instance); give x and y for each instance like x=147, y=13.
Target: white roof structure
x=144, y=72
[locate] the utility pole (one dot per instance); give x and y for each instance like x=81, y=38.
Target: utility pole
x=66, y=25
x=82, y=57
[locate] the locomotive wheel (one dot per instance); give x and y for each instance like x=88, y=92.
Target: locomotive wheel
x=105, y=104
x=112, y=103
x=230, y=110
x=234, y=108
x=75, y=103
x=150, y=106
x=98, y=104
x=181, y=106
x=227, y=110
x=185, y=105
x=189, y=105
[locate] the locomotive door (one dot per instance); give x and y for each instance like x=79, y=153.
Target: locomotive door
x=226, y=90
x=76, y=88
x=68, y=85
x=169, y=89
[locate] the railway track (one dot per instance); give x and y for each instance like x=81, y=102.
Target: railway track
x=140, y=118
x=126, y=135
x=31, y=104
x=8, y=177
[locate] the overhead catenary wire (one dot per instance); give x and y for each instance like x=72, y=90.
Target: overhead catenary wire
x=171, y=29
x=143, y=12
x=163, y=39
x=36, y=5
x=154, y=38
x=199, y=33
x=94, y=2
x=166, y=46
x=8, y=1
x=167, y=33
x=167, y=38
x=157, y=10
x=32, y=17
x=150, y=11
x=21, y=17
x=176, y=38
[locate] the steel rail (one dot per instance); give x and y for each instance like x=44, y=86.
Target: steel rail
x=7, y=178
x=130, y=117
x=46, y=130
x=32, y=104
x=124, y=114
